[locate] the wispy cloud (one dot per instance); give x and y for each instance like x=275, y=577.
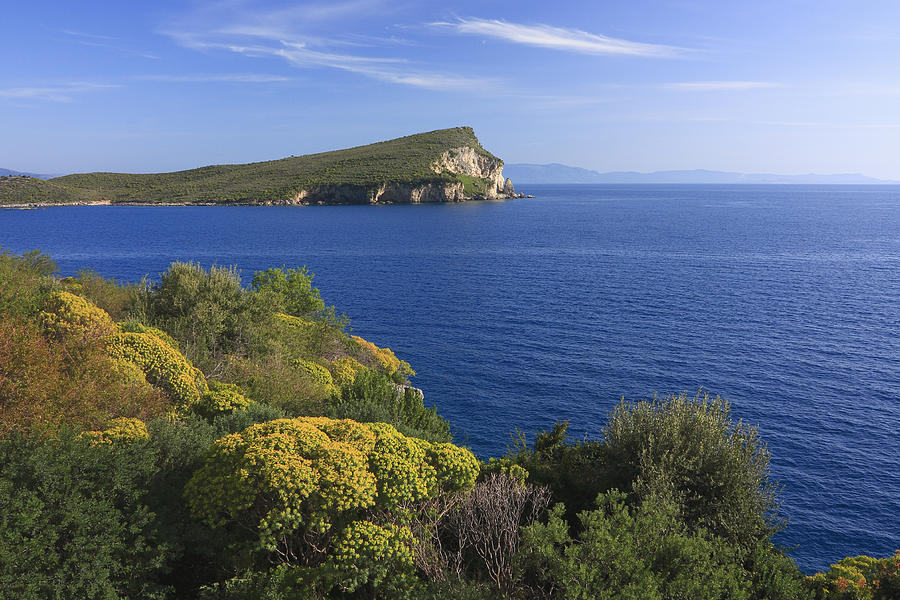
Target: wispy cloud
x=106, y=42
x=279, y=34
x=215, y=78
x=720, y=86
x=559, y=38
x=62, y=92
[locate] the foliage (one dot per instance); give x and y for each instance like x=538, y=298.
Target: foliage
x=294, y=481
x=385, y=359
x=362, y=170
x=47, y=383
x=117, y=431
x=716, y=470
x=74, y=522
x=162, y=365
x=293, y=287
x=25, y=282
x=221, y=399
x=375, y=557
x=859, y=578
x=373, y=397
x=120, y=300
x=209, y=313
x=344, y=370
x=69, y=315
x=316, y=372
x=640, y=553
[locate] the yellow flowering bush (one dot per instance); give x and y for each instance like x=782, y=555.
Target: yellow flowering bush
x=135, y=327
x=385, y=357
x=344, y=370
x=66, y=314
x=853, y=578
x=119, y=430
x=314, y=371
x=295, y=322
x=162, y=365
x=310, y=474
x=370, y=554
x=222, y=398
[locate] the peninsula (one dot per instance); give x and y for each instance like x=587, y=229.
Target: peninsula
x=447, y=165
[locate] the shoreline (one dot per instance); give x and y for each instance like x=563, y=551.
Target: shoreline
x=37, y=205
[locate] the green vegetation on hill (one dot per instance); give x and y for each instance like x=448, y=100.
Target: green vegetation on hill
x=195, y=439
x=406, y=160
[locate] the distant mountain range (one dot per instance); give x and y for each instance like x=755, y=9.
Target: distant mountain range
x=4, y=172
x=557, y=173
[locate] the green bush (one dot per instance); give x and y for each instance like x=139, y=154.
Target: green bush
x=292, y=287
x=374, y=397
x=716, y=470
x=644, y=553
x=75, y=523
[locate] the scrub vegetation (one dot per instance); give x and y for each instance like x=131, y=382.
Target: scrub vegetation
x=191, y=438
x=406, y=160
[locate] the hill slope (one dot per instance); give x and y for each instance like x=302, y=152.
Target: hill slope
x=438, y=166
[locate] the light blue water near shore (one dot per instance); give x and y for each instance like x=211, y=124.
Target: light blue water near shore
x=784, y=299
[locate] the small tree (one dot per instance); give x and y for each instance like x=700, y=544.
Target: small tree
x=292, y=286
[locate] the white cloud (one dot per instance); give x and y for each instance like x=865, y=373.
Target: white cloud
x=720, y=86
x=53, y=93
x=215, y=78
x=271, y=35
x=559, y=38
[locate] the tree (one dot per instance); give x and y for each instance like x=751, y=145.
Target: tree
x=293, y=287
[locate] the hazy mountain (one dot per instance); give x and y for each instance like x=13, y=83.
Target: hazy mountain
x=4, y=172
x=557, y=173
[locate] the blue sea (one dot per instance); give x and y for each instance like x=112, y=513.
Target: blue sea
x=519, y=313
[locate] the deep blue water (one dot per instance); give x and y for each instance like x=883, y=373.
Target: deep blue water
x=784, y=299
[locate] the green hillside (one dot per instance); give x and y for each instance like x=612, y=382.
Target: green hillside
x=406, y=160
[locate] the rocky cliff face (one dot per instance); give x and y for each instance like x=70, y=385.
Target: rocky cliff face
x=485, y=170
x=467, y=161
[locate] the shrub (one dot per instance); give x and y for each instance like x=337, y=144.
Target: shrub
x=163, y=366
x=293, y=288
x=373, y=397
x=48, y=383
x=625, y=553
x=221, y=399
x=25, y=282
x=299, y=481
x=716, y=470
x=75, y=523
x=385, y=359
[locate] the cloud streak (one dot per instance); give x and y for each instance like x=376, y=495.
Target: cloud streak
x=720, y=86
x=62, y=92
x=559, y=38
x=215, y=78
x=270, y=35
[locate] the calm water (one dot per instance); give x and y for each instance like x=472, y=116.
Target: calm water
x=784, y=299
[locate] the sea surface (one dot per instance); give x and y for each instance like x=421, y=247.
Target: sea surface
x=519, y=313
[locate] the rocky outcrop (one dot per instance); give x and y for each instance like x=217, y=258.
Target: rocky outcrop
x=465, y=160
x=390, y=193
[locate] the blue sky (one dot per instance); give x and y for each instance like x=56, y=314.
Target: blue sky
x=792, y=86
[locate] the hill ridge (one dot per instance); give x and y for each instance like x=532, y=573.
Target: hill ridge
x=444, y=165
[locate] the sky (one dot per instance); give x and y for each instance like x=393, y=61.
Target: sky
x=787, y=86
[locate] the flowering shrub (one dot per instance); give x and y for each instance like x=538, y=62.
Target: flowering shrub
x=222, y=398
x=122, y=429
x=66, y=314
x=162, y=365
x=373, y=555
x=315, y=372
x=135, y=327
x=385, y=357
x=344, y=370
x=859, y=578
x=291, y=478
